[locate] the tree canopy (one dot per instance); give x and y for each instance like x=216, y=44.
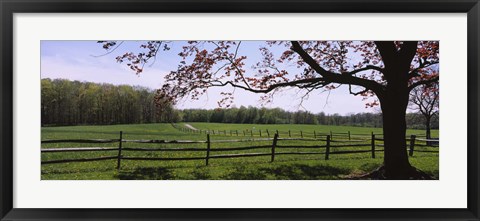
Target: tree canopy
x=318, y=65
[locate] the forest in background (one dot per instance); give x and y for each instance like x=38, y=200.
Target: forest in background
x=66, y=102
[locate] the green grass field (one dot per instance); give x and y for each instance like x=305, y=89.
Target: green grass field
x=285, y=167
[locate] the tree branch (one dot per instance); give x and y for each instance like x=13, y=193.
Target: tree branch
x=331, y=77
x=368, y=67
x=387, y=50
x=108, y=52
x=297, y=83
x=414, y=73
x=356, y=93
x=408, y=49
x=429, y=81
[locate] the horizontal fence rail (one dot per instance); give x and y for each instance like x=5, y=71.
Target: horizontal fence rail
x=79, y=160
x=331, y=147
x=79, y=149
x=82, y=141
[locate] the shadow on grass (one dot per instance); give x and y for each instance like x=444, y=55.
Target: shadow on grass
x=201, y=173
x=305, y=172
x=367, y=167
x=160, y=173
x=146, y=173
x=245, y=173
x=287, y=172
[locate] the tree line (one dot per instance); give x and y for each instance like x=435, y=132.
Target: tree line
x=254, y=115
x=66, y=102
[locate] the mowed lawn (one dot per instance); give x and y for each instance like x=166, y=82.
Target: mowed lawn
x=285, y=167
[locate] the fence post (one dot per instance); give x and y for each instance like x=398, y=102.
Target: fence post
x=331, y=135
x=278, y=133
x=268, y=134
x=349, y=137
x=260, y=131
x=327, y=149
x=243, y=132
x=373, y=145
x=289, y=134
x=412, y=144
x=208, y=150
x=230, y=132
x=119, y=151
x=301, y=134
x=274, y=144
x=236, y=132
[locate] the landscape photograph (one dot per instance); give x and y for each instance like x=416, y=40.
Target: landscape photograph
x=239, y=110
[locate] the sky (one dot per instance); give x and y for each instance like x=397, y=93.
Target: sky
x=88, y=61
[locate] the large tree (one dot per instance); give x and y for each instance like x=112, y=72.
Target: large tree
x=425, y=99
x=385, y=71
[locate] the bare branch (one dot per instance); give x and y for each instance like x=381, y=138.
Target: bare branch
x=356, y=93
x=298, y=83
x=368, y=67
x=429, y=81
x=110, y=51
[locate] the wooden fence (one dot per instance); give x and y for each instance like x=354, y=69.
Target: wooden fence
x=290, y=133
x=330, y=147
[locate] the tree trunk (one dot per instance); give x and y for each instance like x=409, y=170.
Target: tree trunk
x=427, y=128
x=394, y=131
x=427, y=124
x=394, y=105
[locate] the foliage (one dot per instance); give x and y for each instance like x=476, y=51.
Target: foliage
x=67, y=102
x=253, y=115
x=319, y=64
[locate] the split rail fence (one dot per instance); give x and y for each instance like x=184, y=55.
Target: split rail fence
x=329, y=147
x=290, y=133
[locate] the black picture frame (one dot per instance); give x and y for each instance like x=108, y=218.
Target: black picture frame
x=9, y=7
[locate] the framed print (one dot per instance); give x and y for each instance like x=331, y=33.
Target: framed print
x=239, y=110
